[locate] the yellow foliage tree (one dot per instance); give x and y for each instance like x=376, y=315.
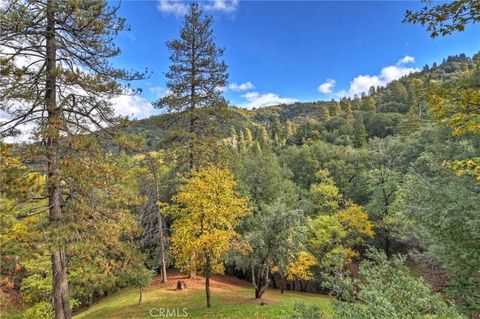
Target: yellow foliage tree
x=325, y=194
x=18, y=235
x=340, y=227
x=456, y=106
x=206, y=214
x=300, y=268
x=333, y=238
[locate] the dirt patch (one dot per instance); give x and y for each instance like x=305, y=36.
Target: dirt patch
x=12, y=296
x=216, y=281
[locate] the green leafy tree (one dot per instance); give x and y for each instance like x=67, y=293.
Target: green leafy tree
x=274, y=234
x=443, y=209
x=263, y=180
x=445, y=18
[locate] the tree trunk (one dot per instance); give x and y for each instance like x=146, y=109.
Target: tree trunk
x=163, y=266
x=387, y=244
x=208, y=267
x=263, y=281
x=90, y=301
x=193, y=272
x=283, y=285
x=191, y=155
x=140, y=290
x=162, y=252
x=192, y=105
x=59, y=269
x=304, y=288
x=385, y=215
x=257, y=293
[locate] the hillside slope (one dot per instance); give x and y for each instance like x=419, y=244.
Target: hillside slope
x=384, y=110
x=231, y=298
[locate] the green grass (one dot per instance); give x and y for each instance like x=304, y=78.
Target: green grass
x=8, y=310
x=232, y=301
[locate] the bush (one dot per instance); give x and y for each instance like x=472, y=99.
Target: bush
x=386, y=289
x=40, y=310
x=301, y=311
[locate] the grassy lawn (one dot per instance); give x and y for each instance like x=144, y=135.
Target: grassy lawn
x=231, y=298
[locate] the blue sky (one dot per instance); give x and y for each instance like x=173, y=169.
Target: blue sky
x=286, y=51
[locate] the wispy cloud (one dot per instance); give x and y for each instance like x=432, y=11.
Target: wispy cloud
x=241, y=87
x=255, y=99
x=405, y=60
x=362, y=83
x=227, y=6
x=327, y=86
x=179, y=8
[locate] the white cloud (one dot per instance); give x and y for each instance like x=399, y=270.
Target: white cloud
x=362, y=83
x=407, y=59
x=133, y=106
x=241, y=87
x=227, y=6
x=26, y=130
x=255, y=99
x=180, y=8
x=177, y=8
x=327, y=86
x=391, y=73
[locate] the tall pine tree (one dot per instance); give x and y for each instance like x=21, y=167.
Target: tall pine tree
x=359, y=133
x=56, y=76
x=194, y=79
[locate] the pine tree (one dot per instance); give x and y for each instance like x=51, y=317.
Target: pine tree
x=289, y=129
x=263, y=137
x=257, y=149
x=57, y=77
x=335, y=108
x=233, y=138
x=369, y=104
x=276, y=127
x=325, y=113
x=248, y=137
x=151, y=169
x=360, y=133
x=193, y=80
x=411, y=123
x=346, y=105
x=242, y=146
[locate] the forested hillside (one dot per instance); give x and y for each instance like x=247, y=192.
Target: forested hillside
x=372, y=199
x=399, y=108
